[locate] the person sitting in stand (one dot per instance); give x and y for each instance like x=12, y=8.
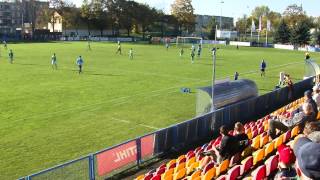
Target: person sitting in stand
x=283, y=124
x=286, y=159
x=228, y=147
x=241, y=136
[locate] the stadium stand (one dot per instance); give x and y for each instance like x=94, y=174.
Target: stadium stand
x=260, y=163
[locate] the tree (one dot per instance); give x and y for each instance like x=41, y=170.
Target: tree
x=184, y=12
x=300, y=34
x=145, y=17
x=260, y=11
x=242, y=24
x=86, y=13
x=282, y=33
x=294, y=14
x=99, y=16
x=211, y=28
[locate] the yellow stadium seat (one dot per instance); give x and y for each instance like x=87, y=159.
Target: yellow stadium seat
x=256, y=142
x=249, y=134
x=264, y=140
x=191, y=161
x=295, y=131
x=269, y=148
x=169, y=177
x=195, y=175
x=167, y=173
x=258, y=156
x=192, y=167
x=179, y=167
x=222, y=167
x=140, y=177
x=278, y=141
x=209, y=174
x=180, y=174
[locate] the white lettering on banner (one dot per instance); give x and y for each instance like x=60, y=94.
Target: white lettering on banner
x=121, y=155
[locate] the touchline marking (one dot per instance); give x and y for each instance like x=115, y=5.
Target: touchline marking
x=129, y=122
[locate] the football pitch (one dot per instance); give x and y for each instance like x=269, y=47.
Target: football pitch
x=48, y=117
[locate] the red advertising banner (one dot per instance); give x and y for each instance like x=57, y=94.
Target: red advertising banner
x=123, y=155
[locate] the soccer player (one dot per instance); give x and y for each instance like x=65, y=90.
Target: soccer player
x=54, y=62
x=89, y=45
x=181, y=52
x=5, y=44
x=263, y=67
x=80, y=63
x=119, y=48
x=167, y=46
x=199, y=50
x=131, y=54
x=10, y=56
x=192, y=56
x=193, y=48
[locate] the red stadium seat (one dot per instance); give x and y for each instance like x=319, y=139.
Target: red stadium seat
x=272, y=164
x=208, y=167
x=287, y=136
x=246, y=165
x=222, y=177
x=156, y=177
x=234, y=172
x=148, y=177
x=259, y=173
x=161, y=171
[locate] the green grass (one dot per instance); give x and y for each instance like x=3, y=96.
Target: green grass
x=49, y=117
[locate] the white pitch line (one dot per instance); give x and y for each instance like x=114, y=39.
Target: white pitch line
x=129, y=122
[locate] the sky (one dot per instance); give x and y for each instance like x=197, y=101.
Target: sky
x=234, y=8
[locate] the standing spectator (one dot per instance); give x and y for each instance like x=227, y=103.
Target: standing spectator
x=289, y=84
x=236, y=76
x=286, y=158
x=308, y=159
x=263, y=67
x=281, y=79
x=307, y=56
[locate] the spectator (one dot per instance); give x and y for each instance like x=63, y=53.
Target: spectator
x=308, y=159
x=311, y=127
x=281, y=79
x=286, y=158
x=308, y=96
x=228, y=147
x=236, y=76
x=299, y=119
x=316, y=96
x=289, y=83
x=241, y=136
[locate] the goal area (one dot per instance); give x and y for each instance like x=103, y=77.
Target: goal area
x=183, y=42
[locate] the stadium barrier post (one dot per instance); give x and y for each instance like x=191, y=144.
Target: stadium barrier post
x=138, y=142
x=91, y=167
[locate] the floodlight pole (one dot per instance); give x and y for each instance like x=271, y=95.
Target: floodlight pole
x=221, y=14
x=214, y=54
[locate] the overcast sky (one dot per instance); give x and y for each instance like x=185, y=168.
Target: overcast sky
x=234, y=8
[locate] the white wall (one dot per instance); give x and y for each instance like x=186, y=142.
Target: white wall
x=283, y=46
x=234, y=43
